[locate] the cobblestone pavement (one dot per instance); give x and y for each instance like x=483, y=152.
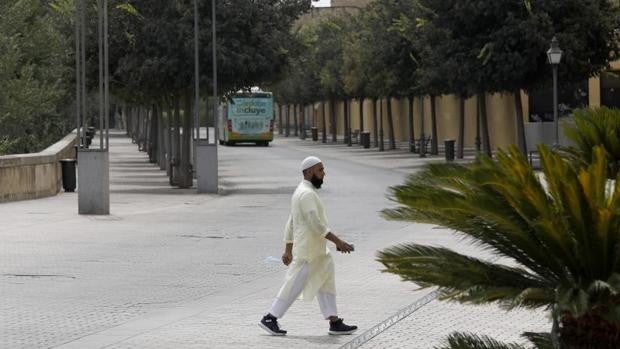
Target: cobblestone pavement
x=172, y=269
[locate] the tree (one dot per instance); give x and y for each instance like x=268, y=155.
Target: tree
x=386, y=56
x=152, y=56
x=561, y=232
x=324, y=40
x=354, y=70
x=34, y=77
x=499, y=46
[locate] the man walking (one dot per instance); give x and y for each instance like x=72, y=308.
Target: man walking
x=311, y=268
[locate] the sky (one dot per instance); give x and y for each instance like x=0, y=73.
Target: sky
x=321, y=3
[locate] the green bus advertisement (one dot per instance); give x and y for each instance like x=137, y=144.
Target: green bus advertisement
x=247, y=118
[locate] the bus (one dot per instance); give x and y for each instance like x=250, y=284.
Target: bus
x=247, y=118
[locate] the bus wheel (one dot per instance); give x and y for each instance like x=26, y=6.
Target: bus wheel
x=230, y=143
x=221, y=142
x=265, y=144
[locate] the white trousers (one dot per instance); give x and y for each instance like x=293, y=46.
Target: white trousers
x=327, y=301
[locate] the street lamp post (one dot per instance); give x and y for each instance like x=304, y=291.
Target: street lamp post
x=554, y=55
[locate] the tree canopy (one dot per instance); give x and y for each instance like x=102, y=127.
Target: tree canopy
x=34, y=77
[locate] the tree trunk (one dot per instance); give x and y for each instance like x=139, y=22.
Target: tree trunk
x=324, y=140
x=374, y=122
x=332, y=117
x=390, y=121
x=484, y=126
x=125, y=111
x=161, y=154
x=588, y=331
x=133, y=121
x=138, y=130
x=349, y=102
x=280, y=124
x=302, y=123
x=154, y=136
x=478, y=139
x=176, y=153
x=361, y=106
x=296, y=119
x=434, y=140
x=422, y=149
x=185, y=177
x=169, y=138
x=381, y=142
x=287, y=130
x=410, y=122
x=521, y=141
x=147, y=131
x=461, y=139
x=345, y=106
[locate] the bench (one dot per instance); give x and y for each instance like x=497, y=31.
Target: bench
x=427, y=141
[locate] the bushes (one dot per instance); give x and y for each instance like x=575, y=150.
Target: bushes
x=34, y=80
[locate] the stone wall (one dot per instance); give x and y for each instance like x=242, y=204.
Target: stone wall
x=31, y=176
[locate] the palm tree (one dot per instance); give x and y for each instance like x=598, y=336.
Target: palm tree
x=562, y=230
x=599, y=126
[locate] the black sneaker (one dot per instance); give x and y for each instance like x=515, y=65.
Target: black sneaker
x=269, y=323
x=338, y=327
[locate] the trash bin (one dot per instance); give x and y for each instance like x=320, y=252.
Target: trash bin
x=365, y=139
x=315, y=133
x=449, y=145
x=68, y=174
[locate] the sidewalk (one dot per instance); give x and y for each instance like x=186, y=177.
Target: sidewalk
x=172, y=269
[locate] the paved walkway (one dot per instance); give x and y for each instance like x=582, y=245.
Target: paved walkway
x=172, y=269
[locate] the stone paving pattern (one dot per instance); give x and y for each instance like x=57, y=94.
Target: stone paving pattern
x=172, y=269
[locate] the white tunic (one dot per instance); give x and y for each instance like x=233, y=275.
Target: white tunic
x=306, y=228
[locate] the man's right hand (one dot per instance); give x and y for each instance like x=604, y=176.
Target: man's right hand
x=287, y=258
x=344, y=247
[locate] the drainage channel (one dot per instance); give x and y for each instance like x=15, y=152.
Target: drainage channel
x=366, y=336
x=389, y=322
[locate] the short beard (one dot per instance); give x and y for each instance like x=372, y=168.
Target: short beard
x=316, y=182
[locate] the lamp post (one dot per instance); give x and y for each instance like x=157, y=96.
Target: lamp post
x=207, y=161
x=554, y=55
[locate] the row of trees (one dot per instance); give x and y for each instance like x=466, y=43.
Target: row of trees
x=415, y=48
x=151, y=55
x=152, y=52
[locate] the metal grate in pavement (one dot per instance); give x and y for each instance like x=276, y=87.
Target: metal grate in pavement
x=377, y=329
x=392, y=320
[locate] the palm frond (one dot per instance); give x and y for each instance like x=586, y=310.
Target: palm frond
x=460, y=340
x=541, y=340
x=498, y=204
x=466, y=279
x=562, y=228
x=595, y=127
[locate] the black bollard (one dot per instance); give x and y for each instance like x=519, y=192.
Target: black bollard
x=365, y=139
x=68, y=175
x=449, y=149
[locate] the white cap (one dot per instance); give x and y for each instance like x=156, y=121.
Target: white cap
x=309, y=162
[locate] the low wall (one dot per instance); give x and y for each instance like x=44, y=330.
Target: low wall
x=31, y=176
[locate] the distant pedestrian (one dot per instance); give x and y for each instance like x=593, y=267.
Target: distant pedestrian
x=311, y=267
